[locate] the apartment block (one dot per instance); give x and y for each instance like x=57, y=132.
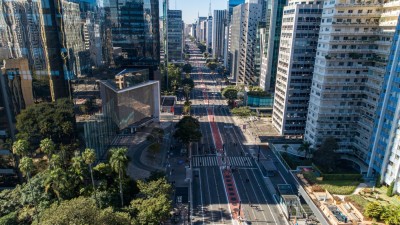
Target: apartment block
x=243, y=35
x=298, y=44
x=352, y=54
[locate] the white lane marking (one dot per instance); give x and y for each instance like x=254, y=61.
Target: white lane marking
x=258, y=200
x=209, y=197
x=264, y=196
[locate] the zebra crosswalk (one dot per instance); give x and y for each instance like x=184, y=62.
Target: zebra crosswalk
x=236, y=161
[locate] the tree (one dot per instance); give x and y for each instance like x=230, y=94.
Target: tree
x=390, y=189
x=391, y=214
x=326, y=157
x=54, y=120
x=205, y=55
x=187, y=68
x=153, y=203
x=230, y=93
x=174, y=76
x=201, y=47
x=21, y=147
x=47, y=146
x=118, y=162
x=212, y=66
x=89, y=157
x=373, y=210
x=26, y=167
x=188, y=130
x=306, y=148
x=82, y=211
x=57, y=181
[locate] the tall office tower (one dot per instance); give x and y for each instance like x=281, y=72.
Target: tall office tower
x=244, y=23
x=297, y=49
x=193, y=30
x=227, y=42
x=200, y=28
x=21, y=32
x=135, y=29
x=203, y=31
x=270, y=51
x=175, y=34
x=385, y=154
x=209, y=23
x=188, y=29
x=218, y=33
x=352, y=54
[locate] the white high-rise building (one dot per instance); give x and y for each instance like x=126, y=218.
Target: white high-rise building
x=218, y=33
x=352, y=54
x=298, y=44
x=209, y=23
x=243, y=35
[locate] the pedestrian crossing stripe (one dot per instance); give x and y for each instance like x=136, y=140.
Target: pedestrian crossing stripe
x=235, y=161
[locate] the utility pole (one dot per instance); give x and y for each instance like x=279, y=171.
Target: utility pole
x=165, y=14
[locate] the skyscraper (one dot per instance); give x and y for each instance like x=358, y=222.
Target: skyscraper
x=244, y=23
x=209, y=23
x=175, y=34
x=218, y=33
x=269, y=56
x=385, y=145
x=135, y=28
x=227, y=42
x=297, y=49
x=352, y=54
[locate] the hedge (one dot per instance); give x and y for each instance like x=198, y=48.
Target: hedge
x=342, y=176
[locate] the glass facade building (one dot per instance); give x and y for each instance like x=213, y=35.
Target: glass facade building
x=131, y=105
x=135, y=29
x=385, y=144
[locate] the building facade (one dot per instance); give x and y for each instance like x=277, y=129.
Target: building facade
x=175, y=35
x=352, y=54
x=227, y=42
x=298, y=44
x=270, y=49
x=385, y=145
x=243, y=41
x=135, y=29
x=218, y=33
x=200, y=29
x=209, y=27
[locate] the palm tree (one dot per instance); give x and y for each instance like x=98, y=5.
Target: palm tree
x=118, y=161
x=47, y=146
x=76, y=165
x=57, y=181
x=21, y=147
x=89, y=157
x=306, y=148
x=26, y=166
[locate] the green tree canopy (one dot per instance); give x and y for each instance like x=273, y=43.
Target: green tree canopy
x=54, y=120
x=373, y=210
x=212, y=66
x=230, y=93
x=82, y=211
x=187, y=68
x=47, y=146
x=174, y=76
x=188, y=129
x=153, y=203
x=325, y=157
x=21, y=147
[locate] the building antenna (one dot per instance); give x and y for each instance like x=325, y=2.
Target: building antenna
x=209, y=10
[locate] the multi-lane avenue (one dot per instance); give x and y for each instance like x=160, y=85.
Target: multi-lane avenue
x=228, y=185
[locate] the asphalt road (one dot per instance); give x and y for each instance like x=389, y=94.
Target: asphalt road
x=209, y=196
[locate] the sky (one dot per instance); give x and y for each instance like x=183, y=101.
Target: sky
x=191, y=8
